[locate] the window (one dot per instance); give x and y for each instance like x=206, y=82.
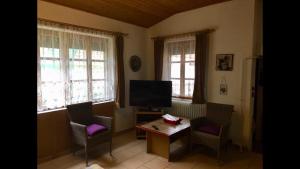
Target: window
x=181, y=65
x=74, y=67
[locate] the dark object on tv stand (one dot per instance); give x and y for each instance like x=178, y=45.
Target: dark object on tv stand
x=143, y=117
x=150, y=109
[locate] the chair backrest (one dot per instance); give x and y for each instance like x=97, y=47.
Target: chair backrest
x=80, y=113
x=219, y=113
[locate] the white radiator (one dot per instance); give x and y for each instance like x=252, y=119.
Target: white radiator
x=187, y=109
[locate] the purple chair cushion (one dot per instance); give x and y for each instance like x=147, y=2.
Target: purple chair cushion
x=95, y=128
x=210, y=128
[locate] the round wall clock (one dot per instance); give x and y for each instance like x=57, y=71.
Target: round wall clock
x=135, y=63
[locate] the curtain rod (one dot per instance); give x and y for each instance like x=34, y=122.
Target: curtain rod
x=84, y=27
x=180, y=34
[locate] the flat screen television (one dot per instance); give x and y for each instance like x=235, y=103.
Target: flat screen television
x=150, y=94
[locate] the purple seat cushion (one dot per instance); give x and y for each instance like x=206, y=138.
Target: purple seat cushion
x=210, y=128
x=95, y=128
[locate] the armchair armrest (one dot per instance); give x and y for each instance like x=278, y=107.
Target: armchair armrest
x=79, y=132
x=107, y=121
x=197, y=121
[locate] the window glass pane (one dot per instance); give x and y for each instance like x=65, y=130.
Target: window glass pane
x=175, y=87
x=97, y=55
x=78, y=70
x=52, y=94
x=175, y=70
x=79, y=92
x=77, y=54
x=50, y=70
x=189, y=57
x=190, y=70
x=49, y=52
x=98, y=90
x=175, y=58
x=98, y=70
x=189, y=87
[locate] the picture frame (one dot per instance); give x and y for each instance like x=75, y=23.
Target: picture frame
x=224, y=62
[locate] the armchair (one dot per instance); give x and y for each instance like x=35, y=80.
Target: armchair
x=213, y=129
x=88, y=129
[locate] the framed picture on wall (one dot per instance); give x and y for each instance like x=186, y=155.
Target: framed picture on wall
x=224, y=62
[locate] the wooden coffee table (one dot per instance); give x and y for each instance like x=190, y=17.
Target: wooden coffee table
x=159, y=141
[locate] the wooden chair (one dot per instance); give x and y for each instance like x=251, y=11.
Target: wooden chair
x=213, y=129
x=88, y=129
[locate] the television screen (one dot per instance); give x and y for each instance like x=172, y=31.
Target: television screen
x=150, y=93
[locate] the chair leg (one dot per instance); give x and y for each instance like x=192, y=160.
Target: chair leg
x=190, y=146
x=220, y=161
x=219, y=155
x=74, y=149
x=86, y=156
x=110, y=147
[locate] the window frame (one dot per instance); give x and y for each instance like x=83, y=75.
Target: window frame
x=64, y=52
x=182, y=77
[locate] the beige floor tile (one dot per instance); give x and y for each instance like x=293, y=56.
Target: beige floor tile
x=68, y=161
x=142, y=167
x=123, y=155
x=206, y=166
x=256, y=163
x=138, y=148
x=47, y=165
x=186, y=162
x=125, y=146
x=129, y=153
x=138, y=160
x=106, y=161
x=181, y=165
x=156, y=163
x=243, y=163
x=204, y=162
x=118, y=166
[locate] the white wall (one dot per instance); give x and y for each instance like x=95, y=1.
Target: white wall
x=234, y=22
x=134, y=44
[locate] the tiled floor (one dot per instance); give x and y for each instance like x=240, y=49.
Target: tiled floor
x=129, y=153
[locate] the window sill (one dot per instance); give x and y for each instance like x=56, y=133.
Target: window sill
x=52, y=110
x=64, y=108
x=185, y=100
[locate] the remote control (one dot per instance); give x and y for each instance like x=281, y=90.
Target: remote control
x=156, y=128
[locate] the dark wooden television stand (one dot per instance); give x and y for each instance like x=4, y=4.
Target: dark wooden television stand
x=143, y=117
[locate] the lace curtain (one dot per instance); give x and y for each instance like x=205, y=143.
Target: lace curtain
x=179, y=64
x=74, y=65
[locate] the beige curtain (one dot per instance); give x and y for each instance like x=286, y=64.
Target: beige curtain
x=201, y=55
